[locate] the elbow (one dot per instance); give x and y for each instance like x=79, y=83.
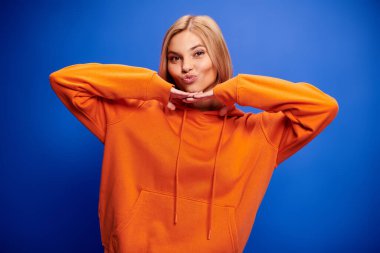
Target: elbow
x=59, y=75
x=54, y=79
x=53, y=76
x=331, y=108
x=334, y=106
x=57, y=81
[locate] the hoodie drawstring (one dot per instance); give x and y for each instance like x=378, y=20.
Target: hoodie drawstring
x=176, y=169
x=213, y=177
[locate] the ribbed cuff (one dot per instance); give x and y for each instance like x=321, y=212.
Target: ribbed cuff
x=226, y=92
x=158, y=89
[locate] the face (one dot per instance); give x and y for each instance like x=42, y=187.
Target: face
x=189, y=63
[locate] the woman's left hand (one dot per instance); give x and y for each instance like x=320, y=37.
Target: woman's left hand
x=200, y=96
x=204, y=96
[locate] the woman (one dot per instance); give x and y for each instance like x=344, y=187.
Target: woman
x=183, y=168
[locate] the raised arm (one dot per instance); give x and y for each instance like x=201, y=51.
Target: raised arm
x=294, y=113
x=89, y=91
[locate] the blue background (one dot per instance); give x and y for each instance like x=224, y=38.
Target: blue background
x=323, y=199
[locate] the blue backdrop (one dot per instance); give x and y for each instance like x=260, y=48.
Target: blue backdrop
x=323, y=199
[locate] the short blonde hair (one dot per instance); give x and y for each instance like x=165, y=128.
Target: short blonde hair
x=209, y=32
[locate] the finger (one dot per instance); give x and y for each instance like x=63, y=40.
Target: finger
x=179, y=92
x=181, y=96
x=189, y=100
x=204, y=94
x=171, y=106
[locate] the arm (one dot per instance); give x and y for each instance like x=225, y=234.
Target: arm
x=294, y=113
x=89, y=91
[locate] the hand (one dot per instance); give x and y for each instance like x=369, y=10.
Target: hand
x=192, y=97
x=208, y=95
x=178, y=96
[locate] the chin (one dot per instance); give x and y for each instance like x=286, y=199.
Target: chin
x=188, y=88
x=194, y=90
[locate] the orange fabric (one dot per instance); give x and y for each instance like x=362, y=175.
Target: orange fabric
x=184, y=180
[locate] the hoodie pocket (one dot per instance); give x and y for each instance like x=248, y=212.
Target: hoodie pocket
x=150, y=226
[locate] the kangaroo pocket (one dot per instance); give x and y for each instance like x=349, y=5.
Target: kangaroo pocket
x=149, y=227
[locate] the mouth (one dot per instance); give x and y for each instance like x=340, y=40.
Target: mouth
x=189, y=79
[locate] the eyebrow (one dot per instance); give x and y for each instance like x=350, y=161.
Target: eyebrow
x=198, y=45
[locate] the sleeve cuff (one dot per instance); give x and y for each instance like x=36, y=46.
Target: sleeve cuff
x=158, y=89
x=226, y=92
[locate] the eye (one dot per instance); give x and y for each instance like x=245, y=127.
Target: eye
x=199, y=53
x=173, y=58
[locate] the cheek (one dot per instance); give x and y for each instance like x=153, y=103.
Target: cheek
x=173, y=70
x=170, y=69
x=207, y=68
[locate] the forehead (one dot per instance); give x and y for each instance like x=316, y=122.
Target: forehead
x=184, y=41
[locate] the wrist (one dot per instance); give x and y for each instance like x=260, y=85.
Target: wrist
x=226, y=92
x=158, y=89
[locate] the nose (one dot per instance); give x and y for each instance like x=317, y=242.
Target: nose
x=187, y=65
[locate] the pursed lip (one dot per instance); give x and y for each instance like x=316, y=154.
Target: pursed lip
x=189, y=79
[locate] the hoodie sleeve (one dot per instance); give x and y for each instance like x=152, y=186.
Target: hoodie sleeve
x=89, y=91
x=293, y=113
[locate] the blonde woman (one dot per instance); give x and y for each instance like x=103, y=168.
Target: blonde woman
x=183, y=169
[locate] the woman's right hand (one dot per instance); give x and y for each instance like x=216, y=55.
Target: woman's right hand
x=177, y=97
x=182, y=97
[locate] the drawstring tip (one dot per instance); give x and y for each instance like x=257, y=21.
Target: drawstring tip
x=175, y=219
x=209, y=235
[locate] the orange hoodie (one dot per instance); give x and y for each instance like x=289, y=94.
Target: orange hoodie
x=186, y=180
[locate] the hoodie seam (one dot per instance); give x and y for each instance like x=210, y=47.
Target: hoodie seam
x=99, y=129
x=230, y=232
x=265, y=134
x=148, y=82
x=236, y=89
x=183, y=197
x=269, y=141
x=147, y=88
x=124, y=118
x=232, y=229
